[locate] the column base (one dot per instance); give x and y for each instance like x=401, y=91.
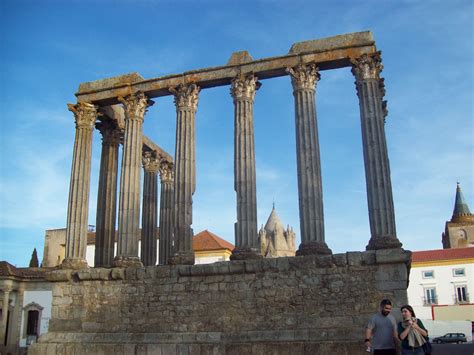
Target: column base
x=313, y=248
x=127, y=261
x=74, y=264
x=384, y=242
x=246, y=254
x=182, y=258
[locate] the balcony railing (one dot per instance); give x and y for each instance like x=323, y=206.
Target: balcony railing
x=430, y=300
x=460, y=299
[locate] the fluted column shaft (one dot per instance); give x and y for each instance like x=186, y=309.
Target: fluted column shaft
x=243, y=90
x=107, y=195
x=78, y=205
x=5, y=306
x=135, y=106
x=151, y=163
x=166, y=212
x=310, y=193
x=377, y=169
x=186, y=100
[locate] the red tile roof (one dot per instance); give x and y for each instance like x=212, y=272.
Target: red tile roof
x=442, y=254
x=206, y=240
x=8, y=270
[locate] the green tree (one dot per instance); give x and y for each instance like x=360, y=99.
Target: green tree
x=34, y=259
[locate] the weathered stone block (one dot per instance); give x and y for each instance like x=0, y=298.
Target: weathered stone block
x=83, y=275
x=339, y=259
x=368, y=257
x=354, y=258
x=59, y=275
x=391, y=256
x=184, y=270
x=117, y=274
x=236, y=267
x=130, y=273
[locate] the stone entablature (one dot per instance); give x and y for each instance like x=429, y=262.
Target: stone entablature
x=330, y=53
x=303, y=303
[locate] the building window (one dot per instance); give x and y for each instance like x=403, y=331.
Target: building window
x=428, y=274
x=461, y=294
x=32, y=321
x=459, y=272
x=430, y=296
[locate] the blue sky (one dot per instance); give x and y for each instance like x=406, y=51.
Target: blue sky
x=47, y=48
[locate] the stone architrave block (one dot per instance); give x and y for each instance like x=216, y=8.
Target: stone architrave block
x=184, y=270
x=368, y=257
x=339, y=259
x=83, y=275
x=236, y=267
x=252, y=266
x=198, y=270
x=117, y=273
x=392, y=256
x=354, y=258
x=324, y=261
x=59, y=275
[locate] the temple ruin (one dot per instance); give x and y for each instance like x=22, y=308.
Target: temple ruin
x=315, y=302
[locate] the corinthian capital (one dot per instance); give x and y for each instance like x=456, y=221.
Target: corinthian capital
x=111, y=134
x=135, y=105
x=84, y=113
x=304, y=76
x=244, y=87
x=151, y=162
x=367, y=66
x=166, y=171
x=186, y=96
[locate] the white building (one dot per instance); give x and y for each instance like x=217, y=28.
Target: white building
x=25, y=306
x=441, y=284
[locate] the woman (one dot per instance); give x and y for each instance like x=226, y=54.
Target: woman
x=411, y=332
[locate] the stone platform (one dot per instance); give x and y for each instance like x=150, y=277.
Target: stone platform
x=288, y=305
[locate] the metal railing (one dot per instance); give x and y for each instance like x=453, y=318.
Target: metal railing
x=430, y=300
x=460, y=299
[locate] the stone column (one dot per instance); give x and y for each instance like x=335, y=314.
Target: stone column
x=135, y=106
x=186, y=100
x=78, y=206
x=151, y=163
x=166, y=212
x=5, y=305
x=370, y=89
x=107, y=194
x=310, y=194
x=243, y=88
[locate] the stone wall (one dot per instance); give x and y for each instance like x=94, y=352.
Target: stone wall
x=289, y=305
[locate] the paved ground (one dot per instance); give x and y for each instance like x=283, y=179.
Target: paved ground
x=453, y=349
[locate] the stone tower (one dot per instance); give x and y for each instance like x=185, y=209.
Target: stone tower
x=274, y=240
x=459, y=231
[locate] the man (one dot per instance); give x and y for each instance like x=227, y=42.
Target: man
x=381, y=333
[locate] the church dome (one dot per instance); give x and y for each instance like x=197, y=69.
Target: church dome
x=273, y=222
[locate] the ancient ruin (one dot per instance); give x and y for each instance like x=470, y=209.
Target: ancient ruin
x=315, y=302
